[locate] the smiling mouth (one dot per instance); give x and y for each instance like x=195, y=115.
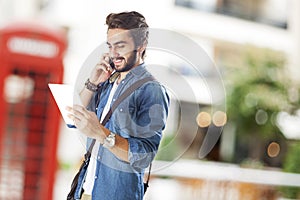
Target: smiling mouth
x=118, y=60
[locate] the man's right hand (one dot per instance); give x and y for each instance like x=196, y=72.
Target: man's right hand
x=102, y=70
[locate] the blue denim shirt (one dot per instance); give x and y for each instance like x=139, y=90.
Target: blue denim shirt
x=140, y=118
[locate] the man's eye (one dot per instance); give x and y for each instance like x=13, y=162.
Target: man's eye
x=120, y=46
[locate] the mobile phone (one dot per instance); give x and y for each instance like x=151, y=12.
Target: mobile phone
x=111, y=63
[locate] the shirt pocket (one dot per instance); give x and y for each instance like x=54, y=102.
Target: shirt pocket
x=124, y=119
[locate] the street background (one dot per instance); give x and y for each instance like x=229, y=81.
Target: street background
x=253, y=115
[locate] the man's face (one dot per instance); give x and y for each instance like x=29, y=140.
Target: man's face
x=122, y=49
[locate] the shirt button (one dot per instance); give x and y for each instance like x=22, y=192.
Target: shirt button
x=114, y=99
x=95, y=177
x=98, y=157
x=122, y=81
x=121, y=110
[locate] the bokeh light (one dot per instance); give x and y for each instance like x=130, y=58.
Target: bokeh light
x=203, y=119
x=219, y=118
x=273, y=149
x=261, y=117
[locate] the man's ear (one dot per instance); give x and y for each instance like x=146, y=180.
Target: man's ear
x=141, y=49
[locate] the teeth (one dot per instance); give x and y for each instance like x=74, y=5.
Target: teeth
x=118, y=60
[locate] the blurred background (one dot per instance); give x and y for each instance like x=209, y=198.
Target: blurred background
x=255, y=45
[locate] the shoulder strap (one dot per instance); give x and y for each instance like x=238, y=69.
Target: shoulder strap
x=125, y=94
x=149, y=173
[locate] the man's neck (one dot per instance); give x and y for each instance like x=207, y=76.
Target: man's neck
x=123, y=74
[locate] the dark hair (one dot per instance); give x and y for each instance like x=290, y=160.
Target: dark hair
x=133, y=21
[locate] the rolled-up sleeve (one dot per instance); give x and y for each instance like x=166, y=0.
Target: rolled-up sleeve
x=152, y=102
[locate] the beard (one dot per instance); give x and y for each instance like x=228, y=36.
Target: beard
x=131, y=61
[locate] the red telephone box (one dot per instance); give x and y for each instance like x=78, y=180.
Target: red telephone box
x=31, y=56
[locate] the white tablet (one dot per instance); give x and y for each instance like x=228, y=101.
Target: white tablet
x=64, y=96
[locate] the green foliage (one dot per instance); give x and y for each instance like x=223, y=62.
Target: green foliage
x=251, y=163
x=168, y=148
x=292, y=164
x=257, y=91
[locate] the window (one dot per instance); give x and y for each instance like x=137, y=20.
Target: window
x=270, y=12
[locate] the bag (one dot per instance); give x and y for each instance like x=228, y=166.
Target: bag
x=87, y=156
x=74, y=184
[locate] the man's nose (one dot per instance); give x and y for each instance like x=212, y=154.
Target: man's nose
x=113, y=53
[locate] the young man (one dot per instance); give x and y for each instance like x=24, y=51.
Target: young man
x=128, y=142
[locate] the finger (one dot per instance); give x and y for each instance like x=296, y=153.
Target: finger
x=70, y=112
x=105, y=56
x=80, y=111
x=71, y=116
x=69, y=108
x=104, y=67
x=107, y=61
x=74, y=114
x=76, y=121
x=79, y=107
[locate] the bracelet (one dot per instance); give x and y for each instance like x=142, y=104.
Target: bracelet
x=91, y=86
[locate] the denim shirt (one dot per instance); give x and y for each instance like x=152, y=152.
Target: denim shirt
x=140, y=118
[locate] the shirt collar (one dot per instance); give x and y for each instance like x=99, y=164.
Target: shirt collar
x=138, y=70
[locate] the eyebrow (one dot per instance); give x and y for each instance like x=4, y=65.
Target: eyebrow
x=116, y=43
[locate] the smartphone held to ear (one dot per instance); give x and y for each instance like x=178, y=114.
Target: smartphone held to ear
x=111, y=63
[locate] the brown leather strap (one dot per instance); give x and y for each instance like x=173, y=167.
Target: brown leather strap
x=149, y=173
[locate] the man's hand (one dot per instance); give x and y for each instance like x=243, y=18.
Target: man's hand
x=102, y=70
x=87, y=122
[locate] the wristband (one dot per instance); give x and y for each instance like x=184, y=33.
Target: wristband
x=91, y=86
